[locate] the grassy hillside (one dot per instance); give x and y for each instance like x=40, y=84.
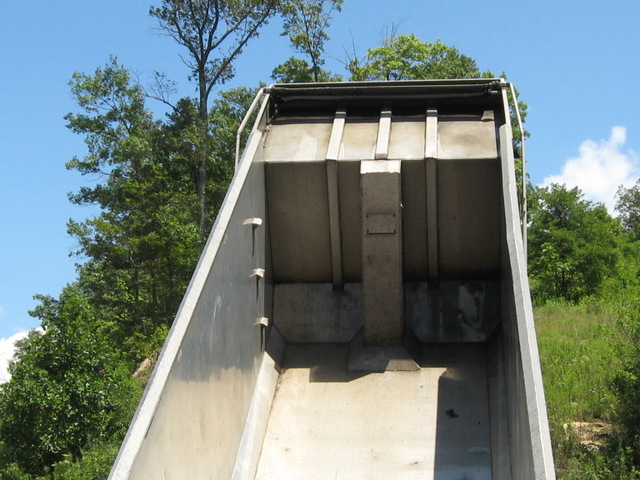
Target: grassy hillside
x=581, y=352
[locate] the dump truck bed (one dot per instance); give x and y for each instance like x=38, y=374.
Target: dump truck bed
x=361, y=309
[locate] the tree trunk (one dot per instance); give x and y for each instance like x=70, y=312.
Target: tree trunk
x=201, y=172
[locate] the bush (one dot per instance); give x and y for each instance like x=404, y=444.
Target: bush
x=94, y=465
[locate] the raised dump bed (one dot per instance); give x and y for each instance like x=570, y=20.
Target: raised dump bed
x=361, y=309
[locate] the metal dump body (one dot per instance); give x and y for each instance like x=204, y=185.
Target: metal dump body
x=361, y=309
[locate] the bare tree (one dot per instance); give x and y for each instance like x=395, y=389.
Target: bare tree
x=214, y=32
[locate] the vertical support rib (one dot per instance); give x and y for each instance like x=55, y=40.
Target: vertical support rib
x=382, y=283
x=384, y=133
x=431, y=135
x=333, y=150
x=431, y=154
x=334, y=224
x=333, y=195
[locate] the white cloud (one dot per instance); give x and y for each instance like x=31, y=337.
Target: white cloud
x=7, y=348
x=600, y=168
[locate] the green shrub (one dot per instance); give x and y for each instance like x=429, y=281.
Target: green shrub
x=94, y=465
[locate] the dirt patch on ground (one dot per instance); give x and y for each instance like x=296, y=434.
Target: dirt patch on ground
x=144, y=369
x=589, y=434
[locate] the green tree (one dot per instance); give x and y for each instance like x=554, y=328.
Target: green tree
x=628, y=206
x=141, y=249
x=68, y=388
x=214, y=33
x=574, y=244
x=306, y=23
x=406, y=57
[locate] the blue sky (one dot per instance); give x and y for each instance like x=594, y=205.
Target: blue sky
x=576, y=64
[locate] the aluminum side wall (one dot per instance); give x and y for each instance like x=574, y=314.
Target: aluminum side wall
x=192, y=417
x=530, y=443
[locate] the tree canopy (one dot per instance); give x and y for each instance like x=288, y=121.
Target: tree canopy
x=68, y=388
x=573, y=244
x=140, y=250
x=406, y=57
x=628, y=206
x=306, y=23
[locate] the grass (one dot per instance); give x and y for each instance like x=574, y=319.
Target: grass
x=580, y=358
x=579, y=353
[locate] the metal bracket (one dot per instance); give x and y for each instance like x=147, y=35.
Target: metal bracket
x=254, y=222
x=262, y=321
x=258, y=272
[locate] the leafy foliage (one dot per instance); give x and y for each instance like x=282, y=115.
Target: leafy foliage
x=306, y=23
x=142, y=247
x=573, y=245
x=227, y=112
x=580, y=355
x=406, y=57
x=627, y=382
x=95, y=464
x=68, y=388
x=590, y=356
x=628, y=206
x=296, y=70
